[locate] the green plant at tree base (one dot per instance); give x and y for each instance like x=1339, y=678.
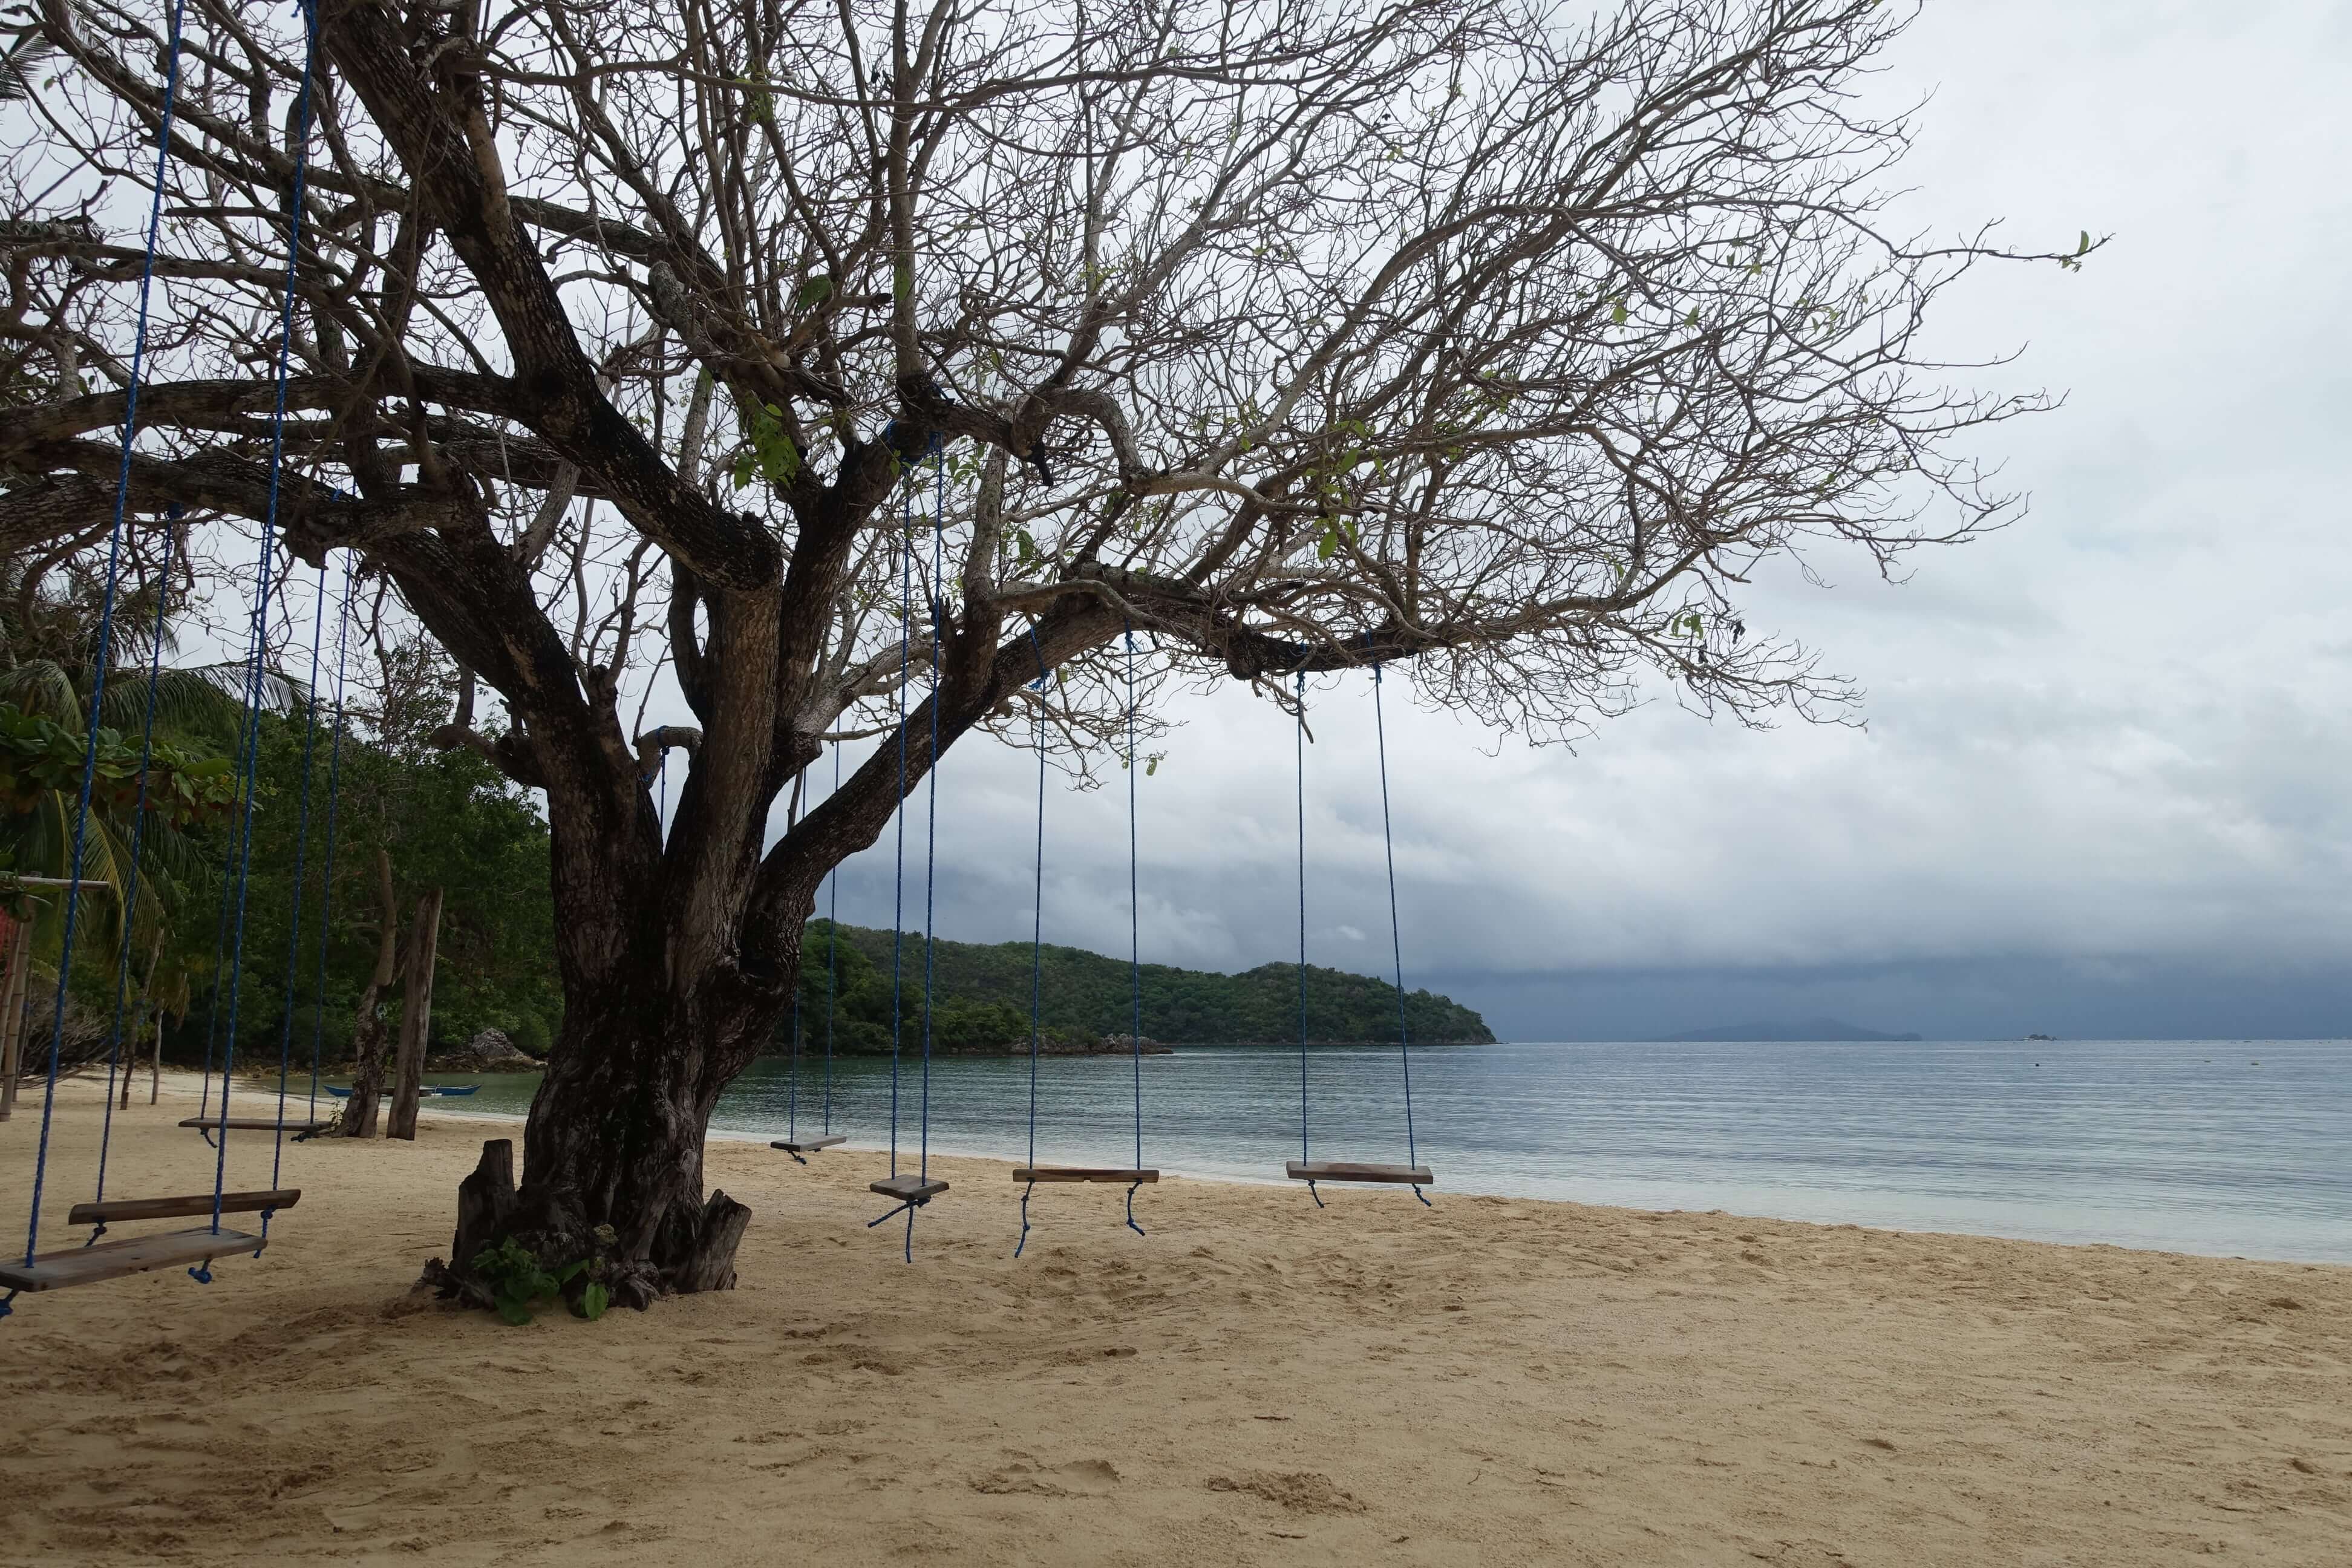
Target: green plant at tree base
x=516, y=1280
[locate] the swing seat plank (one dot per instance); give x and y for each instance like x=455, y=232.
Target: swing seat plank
x=115, y=1259
x=809, y=1145
x=113, y=1209
x=1026, y=1173
x=257, y=1124
x=1353, y=1171
x=908, y=1189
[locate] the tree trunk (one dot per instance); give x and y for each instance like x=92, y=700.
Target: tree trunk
x=616, y=1139
x=359, y=1116
x=415, y=1015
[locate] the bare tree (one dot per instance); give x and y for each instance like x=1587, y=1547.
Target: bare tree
x=1498, y=338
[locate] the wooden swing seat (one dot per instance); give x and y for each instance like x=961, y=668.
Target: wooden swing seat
x=809, y=1145
x=1026, y=1173
x=113, y=1209
x=113, y=1260
x=1351, y=1171
x=908, y=1189
x=214, y=1123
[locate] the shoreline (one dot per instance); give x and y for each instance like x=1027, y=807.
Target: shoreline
x=186, y=1084
x=1258, y=1381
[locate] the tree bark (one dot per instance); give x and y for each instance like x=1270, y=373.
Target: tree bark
x=415, y=1015
x=615, y=1135
x=367, y=1027
x=616, y=1139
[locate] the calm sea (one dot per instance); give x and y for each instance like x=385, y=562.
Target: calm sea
x=2231, y=1147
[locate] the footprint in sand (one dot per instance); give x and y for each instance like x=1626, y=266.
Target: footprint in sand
x=1089, y=1478
x=1300, y=1491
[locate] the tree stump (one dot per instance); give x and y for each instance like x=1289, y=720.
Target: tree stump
x=712, y=1264
x=485, y=1211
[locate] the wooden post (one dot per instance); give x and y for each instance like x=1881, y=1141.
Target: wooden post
x=415, y=1016
x=12, y=1014
x=139, y=1027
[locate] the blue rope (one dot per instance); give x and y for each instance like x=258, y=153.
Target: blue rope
x=792, y=1064
x=898, y=872
x=832, y=954
x=202, y=1272
x=294, y=923
x=899, y=867
x=1134, y=928
x=1301, y=744
x=229, y=883
x=1396, y=934
x=1036, y=944
x=792, y=1061
x=334, y=794
x=130, y=898
x=105, y=631
x=661, y=807
x=932, y=807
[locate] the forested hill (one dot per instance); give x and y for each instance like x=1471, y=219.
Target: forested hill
x=1086, y=992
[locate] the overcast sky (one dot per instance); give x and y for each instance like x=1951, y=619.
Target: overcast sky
x=2102, y=786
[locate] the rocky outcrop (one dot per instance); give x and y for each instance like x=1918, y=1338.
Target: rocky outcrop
x=489, y=1051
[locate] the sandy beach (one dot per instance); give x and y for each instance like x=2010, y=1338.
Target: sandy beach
x=1490, y=1382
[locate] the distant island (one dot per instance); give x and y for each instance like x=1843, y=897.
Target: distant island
x=1087, y=1000
x=1803, y=1029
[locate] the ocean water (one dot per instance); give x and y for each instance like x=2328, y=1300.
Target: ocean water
x=2228, y=1147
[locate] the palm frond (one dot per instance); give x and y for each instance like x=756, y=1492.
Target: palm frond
x=17, y=64
x=186, y=700
x=44, y=846
x=187, y=697
x=280, y=692
x=42, y=686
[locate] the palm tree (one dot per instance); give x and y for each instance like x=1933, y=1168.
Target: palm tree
x=51, y=657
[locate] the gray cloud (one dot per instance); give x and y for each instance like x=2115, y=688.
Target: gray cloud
x=2102, y=787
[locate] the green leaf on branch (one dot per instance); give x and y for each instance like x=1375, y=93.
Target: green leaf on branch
x=773, y=455
x=1328, y=545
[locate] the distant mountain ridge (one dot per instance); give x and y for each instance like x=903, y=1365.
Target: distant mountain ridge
x=1833, y=1029
x=1091, y=994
